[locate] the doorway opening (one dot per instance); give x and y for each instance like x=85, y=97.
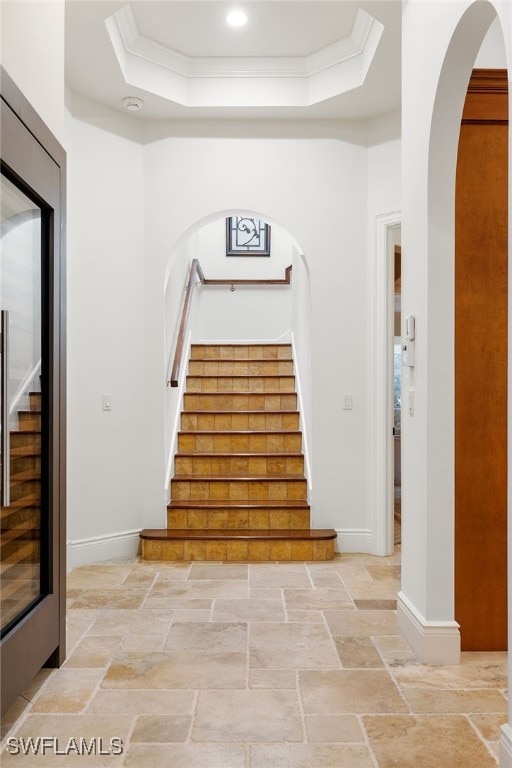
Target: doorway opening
x=397, y=394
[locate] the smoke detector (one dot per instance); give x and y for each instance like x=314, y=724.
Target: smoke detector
x=133, y=103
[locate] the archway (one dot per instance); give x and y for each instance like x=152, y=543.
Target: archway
x=242, y=314
x=433, y=104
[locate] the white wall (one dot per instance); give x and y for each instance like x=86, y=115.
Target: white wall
x=316, y=190
x=237, y=315
x=106, y=345
x=32, y=52
x=492, y=53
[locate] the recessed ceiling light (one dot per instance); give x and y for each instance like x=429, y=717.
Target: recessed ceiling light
x=133, y=103
x=236, y=18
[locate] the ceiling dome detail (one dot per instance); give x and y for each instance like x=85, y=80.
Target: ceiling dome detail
x=234, y=81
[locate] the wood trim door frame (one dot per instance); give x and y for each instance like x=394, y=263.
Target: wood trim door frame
x=31, y=153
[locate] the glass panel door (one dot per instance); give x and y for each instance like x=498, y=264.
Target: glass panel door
x=21, y=258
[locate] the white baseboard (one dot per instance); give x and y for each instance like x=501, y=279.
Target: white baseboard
x=97, y=549
x=434, y=642
x=506, y=746
x=354, y=540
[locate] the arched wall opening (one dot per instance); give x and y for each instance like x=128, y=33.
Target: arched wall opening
x=255, y=314
x=432, y=119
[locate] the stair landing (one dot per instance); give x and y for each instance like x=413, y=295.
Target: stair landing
x=239, y=492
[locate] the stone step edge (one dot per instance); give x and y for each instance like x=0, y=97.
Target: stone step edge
x=238, y=478
x=292, y=504
x=240, y=376
x=217, y=412
x=237, y=360
x=226, y=432
x=215, y=534
x=238, y=455
x=239, y=344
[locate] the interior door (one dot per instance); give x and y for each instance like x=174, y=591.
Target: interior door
x=32, y=553
x=481, y=330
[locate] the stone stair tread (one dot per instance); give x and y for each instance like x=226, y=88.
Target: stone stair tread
x=231, y=392
x=237, y=478
x=238, y=455
x=227, y=432
x=238, y=504
x=279, y=534
x=240, y=375
x=240, y=360
x=230, y=411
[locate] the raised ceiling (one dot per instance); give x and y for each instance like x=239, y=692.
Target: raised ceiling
x=293, y=60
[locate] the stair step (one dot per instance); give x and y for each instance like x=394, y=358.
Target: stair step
x=20, y=551
x=250, y=401
x=232, y=367
x=35, y=400
x=238, y=516
x=239, y=488
x=238, y=464
x=24, y=438
x=29, y=420
x=25, y=451
x=227, y=421
x=28, y=500
x=240, y=384
x=241, y=351
x=231, y=441
x=27, y=475
x=238, y=545
x=29, y=517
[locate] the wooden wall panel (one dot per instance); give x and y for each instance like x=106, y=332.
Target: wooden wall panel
x=481, y=329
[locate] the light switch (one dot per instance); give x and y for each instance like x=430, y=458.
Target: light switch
x=347, y=402
x=107, y=402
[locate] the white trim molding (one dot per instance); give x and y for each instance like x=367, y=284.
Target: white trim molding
x=303, y=425
x=506, y=746
x=380, y=383
x=433, y=642
x=237, y=81
x=96, y=549
x=354, y=540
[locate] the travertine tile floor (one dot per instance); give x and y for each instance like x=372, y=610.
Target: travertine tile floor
x=271, y=665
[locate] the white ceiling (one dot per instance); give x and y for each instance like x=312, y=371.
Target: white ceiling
x=276, y=28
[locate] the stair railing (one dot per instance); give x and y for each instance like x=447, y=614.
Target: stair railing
x=197, y=272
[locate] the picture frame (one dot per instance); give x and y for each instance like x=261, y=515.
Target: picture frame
x=247, y=236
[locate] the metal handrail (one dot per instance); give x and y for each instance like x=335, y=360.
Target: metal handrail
x=195, y=270
x=4, y=408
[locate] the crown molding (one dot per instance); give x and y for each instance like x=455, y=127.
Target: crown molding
x=190, y=80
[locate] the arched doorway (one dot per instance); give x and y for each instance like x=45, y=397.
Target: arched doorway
x=433, y=106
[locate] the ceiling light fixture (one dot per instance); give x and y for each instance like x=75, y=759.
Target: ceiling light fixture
x=236, y=18
x=132, y=103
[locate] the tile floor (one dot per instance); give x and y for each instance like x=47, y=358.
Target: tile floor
x=271, y=665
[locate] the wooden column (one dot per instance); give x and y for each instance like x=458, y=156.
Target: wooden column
x=481, y=329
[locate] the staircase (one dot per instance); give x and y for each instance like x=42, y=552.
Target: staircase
x=21, y=520
x=239, y=490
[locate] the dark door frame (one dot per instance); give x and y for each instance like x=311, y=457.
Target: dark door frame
x=31, y=153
